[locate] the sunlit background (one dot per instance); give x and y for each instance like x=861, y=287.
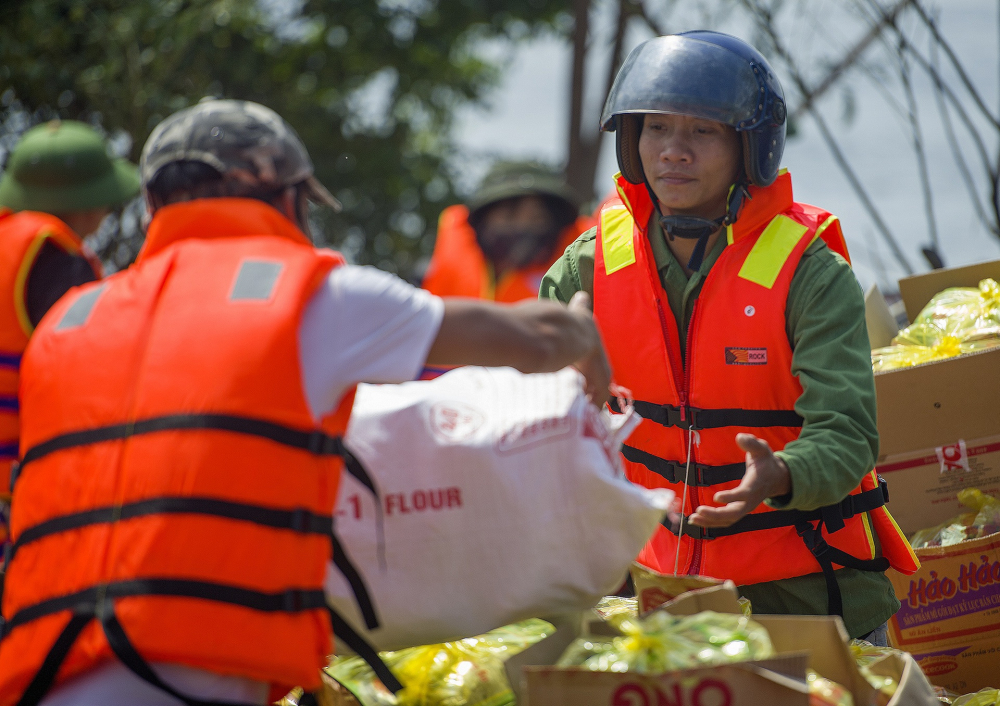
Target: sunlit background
x=404, y=104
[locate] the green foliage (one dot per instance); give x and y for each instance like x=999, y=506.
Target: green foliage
x=371, y=87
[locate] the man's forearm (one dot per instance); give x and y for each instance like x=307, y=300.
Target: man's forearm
x=532, y=336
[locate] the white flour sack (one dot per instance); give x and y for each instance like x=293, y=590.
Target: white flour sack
x=503, y=498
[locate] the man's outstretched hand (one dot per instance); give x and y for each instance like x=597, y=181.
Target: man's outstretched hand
x=766, y=477
x=594, y=366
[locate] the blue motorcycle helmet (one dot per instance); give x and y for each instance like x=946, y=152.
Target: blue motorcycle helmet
x=707, y=75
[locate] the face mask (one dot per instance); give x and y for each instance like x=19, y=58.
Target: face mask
x=512, y=249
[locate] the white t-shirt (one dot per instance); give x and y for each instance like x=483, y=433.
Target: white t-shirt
x=362, y=325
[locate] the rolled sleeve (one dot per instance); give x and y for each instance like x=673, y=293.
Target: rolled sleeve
x=831, y=358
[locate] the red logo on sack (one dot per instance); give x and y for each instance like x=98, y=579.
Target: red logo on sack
x=953, y=457
x=746, y=356
x=455, y=421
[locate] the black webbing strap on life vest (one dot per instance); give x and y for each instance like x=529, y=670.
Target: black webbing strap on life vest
x=296, y=520
x=356, y=581
x=97, y=602
x=352, y=639
x=832, y=516
x=125, y=651
x=299, y=520
x=827, y=556
x=313, y=441
x=46, y=674
x=695, y=418
x=674, y=471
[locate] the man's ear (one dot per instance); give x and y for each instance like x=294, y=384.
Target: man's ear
x=151, y=207
x=288, y=205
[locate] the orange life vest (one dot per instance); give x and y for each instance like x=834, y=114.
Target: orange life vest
x=22, y=235
x=459, y=269
x=174, y=498
x=735, y=377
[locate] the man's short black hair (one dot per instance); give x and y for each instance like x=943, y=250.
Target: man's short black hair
x=186, y=180
x=189, y=179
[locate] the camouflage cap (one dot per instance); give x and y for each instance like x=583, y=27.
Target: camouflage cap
x=511, y=179
x=244, y=141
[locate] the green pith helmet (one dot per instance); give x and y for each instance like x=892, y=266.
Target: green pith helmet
x=64, y=166
x=508, y=180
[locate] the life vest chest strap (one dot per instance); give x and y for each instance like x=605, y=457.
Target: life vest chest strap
x=674, y=471
x=833, y=516
x=850, y=506
x=695, y=418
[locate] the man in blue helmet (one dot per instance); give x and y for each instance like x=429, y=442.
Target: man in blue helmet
x=731, y=315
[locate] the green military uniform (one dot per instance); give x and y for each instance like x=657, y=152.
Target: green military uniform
x=825, y=323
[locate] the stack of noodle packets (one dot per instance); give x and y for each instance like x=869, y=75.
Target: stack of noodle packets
x=956, y=321
x=662, y=642
x=982, y=519
x=466, y=672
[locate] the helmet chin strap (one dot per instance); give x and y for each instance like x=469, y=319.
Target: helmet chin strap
x=698, y=228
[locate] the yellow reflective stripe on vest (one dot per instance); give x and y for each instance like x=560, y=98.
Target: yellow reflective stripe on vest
x=621, y=192
x=616, y=238
x=21, y=282
x=771, y=250
x=823, y=226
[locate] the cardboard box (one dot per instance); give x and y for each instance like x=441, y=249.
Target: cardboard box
x=819, y=643
x=653, y=589
x=939, y=428
x=917, y=290
x=939, y=423
x=747, y=684
x=924, y=483
x=882, y=326
x=950, y=617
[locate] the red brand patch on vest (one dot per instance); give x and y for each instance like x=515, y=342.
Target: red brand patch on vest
x=746, y=356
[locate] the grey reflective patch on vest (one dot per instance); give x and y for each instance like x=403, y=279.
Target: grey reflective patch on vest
x=79, y=311
x=256, y=280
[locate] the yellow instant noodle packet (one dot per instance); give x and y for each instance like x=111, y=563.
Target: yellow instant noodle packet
x=867, y=656
x=466, y=672
x=823, y=692
x=983, y=697
x=617, y=605
x=983, y=519
x=955, y=321
x=661, y=642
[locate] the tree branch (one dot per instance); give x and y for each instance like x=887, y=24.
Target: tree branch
x=959, y=69
x=956, y=150
x=849, y=59
x=618, y=47
x=918, y=148
x=578, y=152
x=581, y=30
x=584, y=152
x=650, y=22
x=942, y=86
x=766, y=23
